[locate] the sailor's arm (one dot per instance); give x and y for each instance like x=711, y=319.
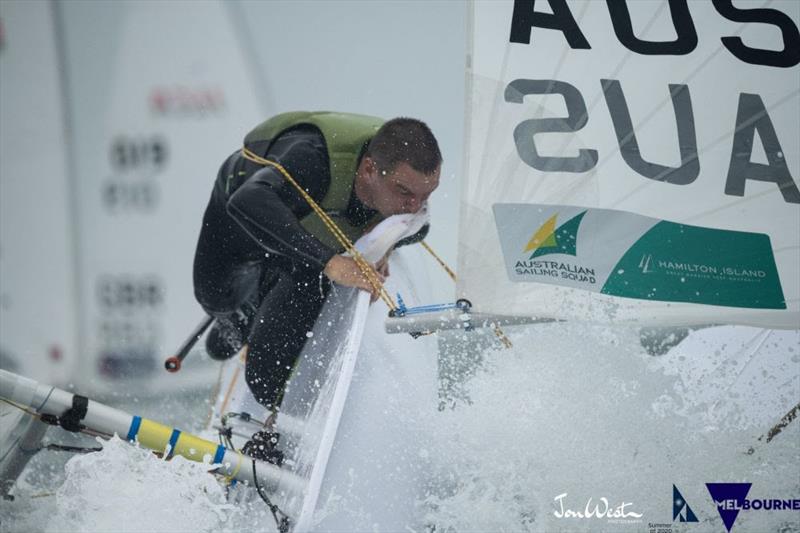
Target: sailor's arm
x=269, y=208
x=414, y=239
x=260, y=206
x=260, y=210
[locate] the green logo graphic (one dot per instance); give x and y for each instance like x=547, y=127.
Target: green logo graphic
x=680, y=263
x=551, y=240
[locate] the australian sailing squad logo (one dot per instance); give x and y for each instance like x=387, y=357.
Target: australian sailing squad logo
x=550, y=239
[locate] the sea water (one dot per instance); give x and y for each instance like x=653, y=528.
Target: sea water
x=572, y=422
x=573, y=415
x=570, y=410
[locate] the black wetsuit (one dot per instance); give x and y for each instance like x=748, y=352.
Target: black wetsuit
x=253, y=253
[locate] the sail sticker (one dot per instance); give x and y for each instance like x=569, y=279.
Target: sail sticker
x=632, y=256
x=549, y=240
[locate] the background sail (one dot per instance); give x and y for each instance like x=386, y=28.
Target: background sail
x=115, y=119
x=37, y=300
x=151, y=119
x=633, y=163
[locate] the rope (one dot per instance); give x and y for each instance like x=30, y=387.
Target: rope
x=497, y=331
x=39, y=416
x=367, y=269
x=502, y=336
x=281, y=520
x=439, y=260
x=21, y=407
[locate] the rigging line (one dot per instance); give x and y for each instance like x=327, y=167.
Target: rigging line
x=496, y=329
x=246, y=218
x=214, y=396
x=439, y=260
x=21, y=407
x=37, y=415
x=283, y=523
x=367, y=269
x=711, y=144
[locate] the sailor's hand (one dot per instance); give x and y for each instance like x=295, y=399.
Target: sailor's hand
x=382, y=266
x=345, y=271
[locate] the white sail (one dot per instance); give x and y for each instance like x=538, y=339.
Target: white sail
x=37, y=303
x=633, y=162
x=156, y=105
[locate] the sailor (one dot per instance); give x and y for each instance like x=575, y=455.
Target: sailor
x=265, y=261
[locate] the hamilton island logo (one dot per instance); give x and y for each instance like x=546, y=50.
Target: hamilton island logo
x=680, y=508
x=551, y=240
x=644, y=263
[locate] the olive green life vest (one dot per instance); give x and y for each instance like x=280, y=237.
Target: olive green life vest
x=345, y=135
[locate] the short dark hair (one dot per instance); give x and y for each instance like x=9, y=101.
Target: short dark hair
x=405, y=140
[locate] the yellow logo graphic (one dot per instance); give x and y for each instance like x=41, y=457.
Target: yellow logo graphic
x=545, y=236
x=549, y=239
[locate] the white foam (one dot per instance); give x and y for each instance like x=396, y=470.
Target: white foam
x=570, y=409
x=583, y=411
x=125, y=488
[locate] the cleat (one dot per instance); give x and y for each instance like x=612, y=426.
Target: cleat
x=262, y=446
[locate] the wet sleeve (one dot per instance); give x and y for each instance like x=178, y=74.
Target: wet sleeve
x=413, y=239
x=269, y=208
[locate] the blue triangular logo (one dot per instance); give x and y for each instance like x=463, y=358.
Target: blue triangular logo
x=680, y=508
x=729, y=499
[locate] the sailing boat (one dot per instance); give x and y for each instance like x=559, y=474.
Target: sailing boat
x=587, y=199
x=607, y=236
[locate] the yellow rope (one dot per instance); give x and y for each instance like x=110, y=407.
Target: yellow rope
x=366, y=268
x=439, y=259
x=21, y=407
x=497, y=331
x=502, y=336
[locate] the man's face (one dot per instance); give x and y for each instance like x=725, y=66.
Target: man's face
x=403, y=190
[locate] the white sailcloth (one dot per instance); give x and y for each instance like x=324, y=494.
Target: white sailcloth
x=156, y=106
x=642, y=173
x=37, y=303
